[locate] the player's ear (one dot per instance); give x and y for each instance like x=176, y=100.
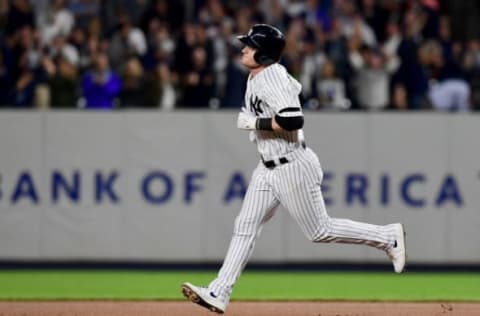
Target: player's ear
x=262, y=59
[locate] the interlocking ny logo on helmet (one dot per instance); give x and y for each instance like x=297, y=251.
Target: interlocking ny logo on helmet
x=267, y=40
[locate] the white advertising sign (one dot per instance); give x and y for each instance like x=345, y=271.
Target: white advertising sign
x=166, y=187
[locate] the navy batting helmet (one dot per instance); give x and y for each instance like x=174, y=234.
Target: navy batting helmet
x=267, y=40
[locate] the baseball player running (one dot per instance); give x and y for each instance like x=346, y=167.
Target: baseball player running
x=288, y=173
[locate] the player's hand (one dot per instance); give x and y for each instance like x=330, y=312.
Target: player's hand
x=246, y=121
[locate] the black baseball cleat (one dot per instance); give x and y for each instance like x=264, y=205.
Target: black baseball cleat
x=203, y=297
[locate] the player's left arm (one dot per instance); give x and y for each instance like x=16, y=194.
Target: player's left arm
x=287, y=119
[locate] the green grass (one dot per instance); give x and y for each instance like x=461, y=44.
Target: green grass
x=132, y=285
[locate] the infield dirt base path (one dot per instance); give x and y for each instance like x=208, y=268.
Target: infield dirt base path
x=96, y=308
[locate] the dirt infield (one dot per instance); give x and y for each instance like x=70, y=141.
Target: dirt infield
x=238, y=309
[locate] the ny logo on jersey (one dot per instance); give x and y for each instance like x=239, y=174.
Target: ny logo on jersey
x=255, y=105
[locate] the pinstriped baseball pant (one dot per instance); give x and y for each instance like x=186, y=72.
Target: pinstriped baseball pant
x=295, y=185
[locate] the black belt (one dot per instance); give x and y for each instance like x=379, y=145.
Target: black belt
x=270, y=164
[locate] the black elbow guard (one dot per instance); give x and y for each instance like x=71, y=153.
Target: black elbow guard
x=289, y=123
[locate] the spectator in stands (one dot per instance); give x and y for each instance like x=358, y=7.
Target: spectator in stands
x=3, y=16
x=84, y=11
x=448, y=91
x=393, y=38
x=101, y=85
x=126, y=42
x=336, y=48
x=317, y=13
x=292, y=56
x=198, y=82
x=399, y=98
x=430, y=10
x=78, y=39
x=61, y=47
x=471, y=71
x=353, y=23
x=441, y=66
x=24, y=89
x=60, y=22
x=23, y=67
x=168, y=94
x=445, y=39
x=155, y=33
x=313, y=60
x=243, y=17
x=331, y=89
x=133, y=85
x=212, y=12
x=5, y=83
x=376, y=16
x=412, y=73
x=63, y=81
x=90, y=47
x=110, y=8
x=186, y=41
x=450, y=95
x=161, y=45
x=275, y=14
x=372, y=78
x=235, y=80
x=160, y=90
x=170, y=12
x=20, y=14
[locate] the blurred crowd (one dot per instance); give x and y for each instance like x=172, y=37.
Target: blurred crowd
x=171, y=54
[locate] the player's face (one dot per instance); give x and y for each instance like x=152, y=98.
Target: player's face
x=247, y=57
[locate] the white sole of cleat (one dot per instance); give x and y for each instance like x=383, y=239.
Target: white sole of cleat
x=194, y=298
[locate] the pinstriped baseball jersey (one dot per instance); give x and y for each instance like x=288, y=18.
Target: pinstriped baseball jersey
x=274, y=91
x=294, y=184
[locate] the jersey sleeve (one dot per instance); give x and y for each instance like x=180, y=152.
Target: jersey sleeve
x=281, y=93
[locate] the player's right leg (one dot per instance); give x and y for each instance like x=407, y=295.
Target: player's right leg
x=258, y=207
